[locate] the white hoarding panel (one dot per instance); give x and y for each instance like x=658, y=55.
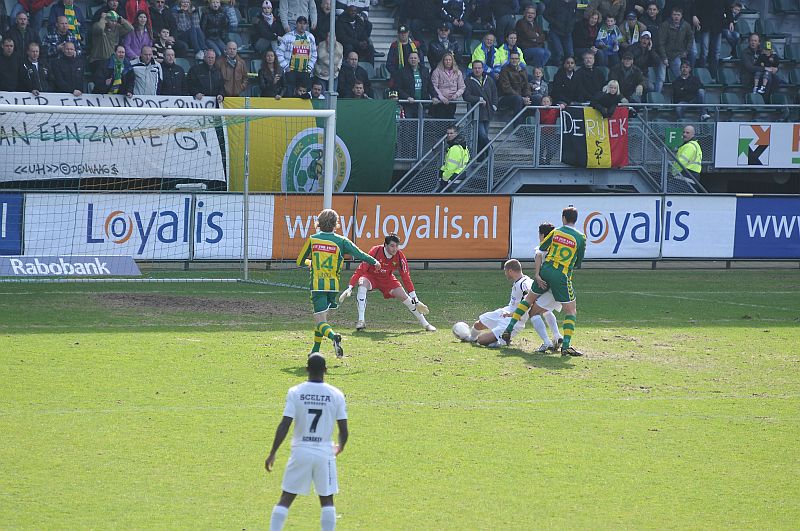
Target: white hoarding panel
x=756, y=145
x=222, y=224
x=699, y=227
x=615, y=226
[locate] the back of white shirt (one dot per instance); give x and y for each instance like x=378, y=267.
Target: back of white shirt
x=518, y=291
x=315, y=408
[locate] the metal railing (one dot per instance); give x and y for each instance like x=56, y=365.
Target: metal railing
x=417, y=135
x=423, y=176
x=533, y=145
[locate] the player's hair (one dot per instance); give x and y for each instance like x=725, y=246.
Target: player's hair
x=391, y=237
x=328, y=220
x=315, y=364
x=546, y=228
x=570, y=214
x=513, y=265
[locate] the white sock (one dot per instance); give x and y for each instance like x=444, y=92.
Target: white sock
x=552, y=324
x=412, y=308
x=361, y=299
x=327, y=518
x=279, y=514
x=474, y=333
x=540, y=328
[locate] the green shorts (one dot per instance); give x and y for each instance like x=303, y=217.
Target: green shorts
x=324, y=301
x=557, y=282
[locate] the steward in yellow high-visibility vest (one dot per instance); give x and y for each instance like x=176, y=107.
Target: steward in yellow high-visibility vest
x=455, y=159
x=690, y=155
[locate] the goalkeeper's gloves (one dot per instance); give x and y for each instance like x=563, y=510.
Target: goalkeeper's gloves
x=419, y=305
x=346, y=293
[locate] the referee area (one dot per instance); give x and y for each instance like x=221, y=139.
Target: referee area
x=153, y=406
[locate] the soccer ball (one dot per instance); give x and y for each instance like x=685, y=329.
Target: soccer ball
x=461, y=330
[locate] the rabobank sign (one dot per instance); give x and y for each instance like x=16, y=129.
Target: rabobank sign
x=67, y=266
x=767, y=227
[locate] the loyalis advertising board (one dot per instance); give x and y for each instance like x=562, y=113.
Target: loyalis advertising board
x=430, y=228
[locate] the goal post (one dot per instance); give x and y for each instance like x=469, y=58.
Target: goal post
x=169, y=188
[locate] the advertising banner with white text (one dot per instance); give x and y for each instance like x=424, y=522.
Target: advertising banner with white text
x=430, y=227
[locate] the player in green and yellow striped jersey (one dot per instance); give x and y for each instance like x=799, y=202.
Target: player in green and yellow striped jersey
x=324, y=253
x=565, y=247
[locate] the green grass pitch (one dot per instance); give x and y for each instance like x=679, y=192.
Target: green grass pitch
x=153, y=406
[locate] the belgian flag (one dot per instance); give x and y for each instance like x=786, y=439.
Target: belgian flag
x=590, y=141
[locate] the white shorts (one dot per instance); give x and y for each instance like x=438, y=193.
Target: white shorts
x=495, y=322
x=548, y=302
x=305, y=466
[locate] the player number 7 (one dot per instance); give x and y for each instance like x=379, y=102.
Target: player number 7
x=317, y=414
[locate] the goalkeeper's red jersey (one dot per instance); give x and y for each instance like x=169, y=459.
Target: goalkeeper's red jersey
x=385, y=268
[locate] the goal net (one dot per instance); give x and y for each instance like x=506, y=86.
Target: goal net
x=156, y=188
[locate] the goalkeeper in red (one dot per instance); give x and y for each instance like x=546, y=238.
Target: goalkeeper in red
x=565, y=247
x=391, y=259
x=323, y=253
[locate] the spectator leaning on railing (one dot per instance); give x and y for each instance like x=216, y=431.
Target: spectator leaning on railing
x=413, y=83
x=270, y=77
x=205, y=79
x=173, y=82
x=147, y=73
x=589, y=79
x=116, y=77
x=513, y=87
x=564, y=87
x=448, y=86
x=35, y=75
x=68, y=72
x=233, y=70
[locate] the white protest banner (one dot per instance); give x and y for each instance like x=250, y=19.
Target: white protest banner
x=746, y=145
x=40, y=146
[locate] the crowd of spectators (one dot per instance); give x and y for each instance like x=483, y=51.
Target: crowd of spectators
x=134, y=46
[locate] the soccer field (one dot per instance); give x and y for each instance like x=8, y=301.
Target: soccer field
x=152, y=406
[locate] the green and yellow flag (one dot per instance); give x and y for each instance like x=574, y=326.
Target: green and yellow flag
x=286, y=154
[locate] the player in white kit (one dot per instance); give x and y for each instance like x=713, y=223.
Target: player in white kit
x=490, y=325
x=542, y=310
x=315, y=407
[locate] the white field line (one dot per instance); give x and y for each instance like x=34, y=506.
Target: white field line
x=291, y=289
x=466, y=405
